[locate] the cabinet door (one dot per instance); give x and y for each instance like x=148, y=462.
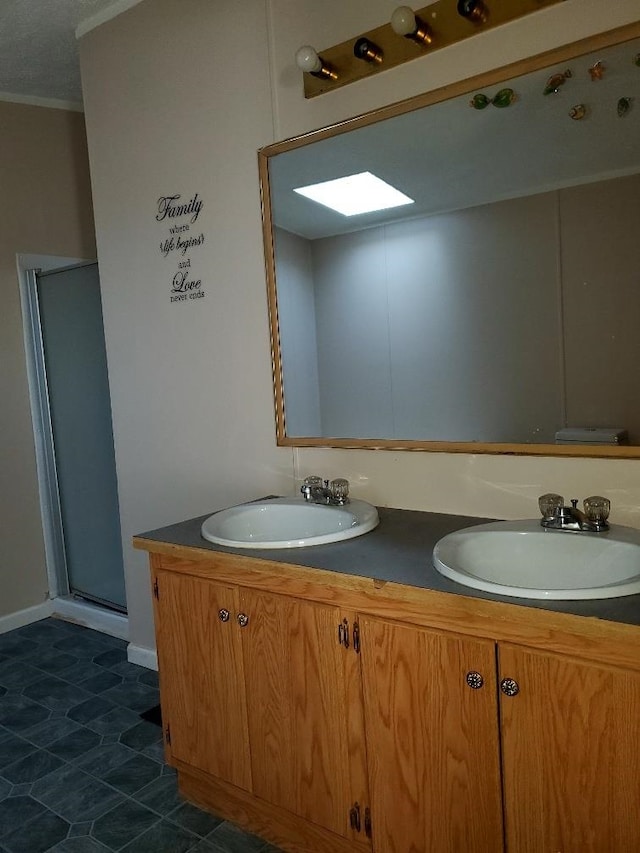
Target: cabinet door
x=432, y=740
x=571, y=755
x=305, y=710
x=201, y=676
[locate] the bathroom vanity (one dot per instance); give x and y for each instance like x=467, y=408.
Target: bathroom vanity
x=347, y=697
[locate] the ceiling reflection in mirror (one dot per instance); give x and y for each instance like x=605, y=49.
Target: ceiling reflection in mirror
x=502, y=307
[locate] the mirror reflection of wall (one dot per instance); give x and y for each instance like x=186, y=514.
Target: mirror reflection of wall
x=500, y=323
x=501, y=305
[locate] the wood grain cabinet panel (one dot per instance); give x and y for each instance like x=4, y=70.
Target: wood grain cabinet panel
x=202, y=677
x=395, y=737
x=432, y=740
x=298, y=698
x=571, y=755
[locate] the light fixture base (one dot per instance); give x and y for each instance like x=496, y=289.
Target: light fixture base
x=443, y=27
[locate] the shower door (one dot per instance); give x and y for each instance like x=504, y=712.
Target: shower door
x=77, y=385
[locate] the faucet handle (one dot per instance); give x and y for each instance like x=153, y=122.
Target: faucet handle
x=339, y=490
x=313, y=481
x=550, y=504
x=597, y=509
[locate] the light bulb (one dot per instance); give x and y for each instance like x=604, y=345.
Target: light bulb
x=308, y=60
x=403, y=21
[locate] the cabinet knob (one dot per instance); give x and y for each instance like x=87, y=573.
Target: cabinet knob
x=509, y=687
x=243, y=620
x=475, y=680
x=223, y=615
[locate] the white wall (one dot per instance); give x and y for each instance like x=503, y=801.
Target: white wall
x=443, y=328
x=44, y=177
x=297, y=324
x=178, y=98
x=176, y=103
x=478, y=485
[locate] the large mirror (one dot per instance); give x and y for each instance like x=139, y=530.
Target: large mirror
x=499, y=309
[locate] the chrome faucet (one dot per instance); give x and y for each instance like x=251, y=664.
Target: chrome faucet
x=319, y=491
x=557, y=516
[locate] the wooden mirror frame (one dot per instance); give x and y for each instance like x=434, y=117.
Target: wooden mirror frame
x=479, y=82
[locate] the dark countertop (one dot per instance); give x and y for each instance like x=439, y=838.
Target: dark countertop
x=398, y=550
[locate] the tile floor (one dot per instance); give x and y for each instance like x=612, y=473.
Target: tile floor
x=80, y=771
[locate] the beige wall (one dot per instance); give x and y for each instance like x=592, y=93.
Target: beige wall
x=46, y=209
x=178, y=96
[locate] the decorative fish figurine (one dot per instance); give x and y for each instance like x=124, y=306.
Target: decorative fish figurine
x=596, y=72
x=479, y=101
x=578, y=112
x=555, y=81
x=624, y=105
x=504, y=98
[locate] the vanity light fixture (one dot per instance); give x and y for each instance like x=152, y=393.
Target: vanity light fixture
x=354, y=194
x=368, y=51
x=473, y=10
x=437, y=25
x=307, y=59
x=405, y=23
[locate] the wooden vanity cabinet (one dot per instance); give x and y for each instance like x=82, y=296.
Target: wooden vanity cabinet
x=204, y=708
x=258, y=692
x=570, y=754
x=376, y=727
x=432, y=738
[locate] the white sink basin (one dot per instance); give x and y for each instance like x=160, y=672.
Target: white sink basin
x=525, y=560
x=288, y=523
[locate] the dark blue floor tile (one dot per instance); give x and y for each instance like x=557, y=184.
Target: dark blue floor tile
x=149, y=677
x=51, y=660
x=103, y=759
x=77, y=829
x=163, y=837
x=86, y=647
x=195, y=820
x=137, y=697
x=46, y=631
x=155, y=751
x=110, y=658
x=3, y=690
x=15, y=646
x=133, y=774
x=55, y=693
x=114, y=722
x=75, y=795
x=15, y=675
x=37, y=836
x=228, y=838
x=17, y=811
x=128, y=671
x=80, y=845
x=161, y=795
x=31, y=768
x=51, y=730
x=5, y=789
x=123, y=824
x=89, y=710
x=18, y=713
x=141, y=735
x=103, y=681
x=81, y=671
x=14, y=748
x=203, y=846
x=75, y=745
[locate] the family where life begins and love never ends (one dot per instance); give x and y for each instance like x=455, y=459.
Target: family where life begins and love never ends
x=179, y=242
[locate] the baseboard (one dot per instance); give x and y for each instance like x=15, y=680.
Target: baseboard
x=91, y=616
x=142, y=656
x=25, y=617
